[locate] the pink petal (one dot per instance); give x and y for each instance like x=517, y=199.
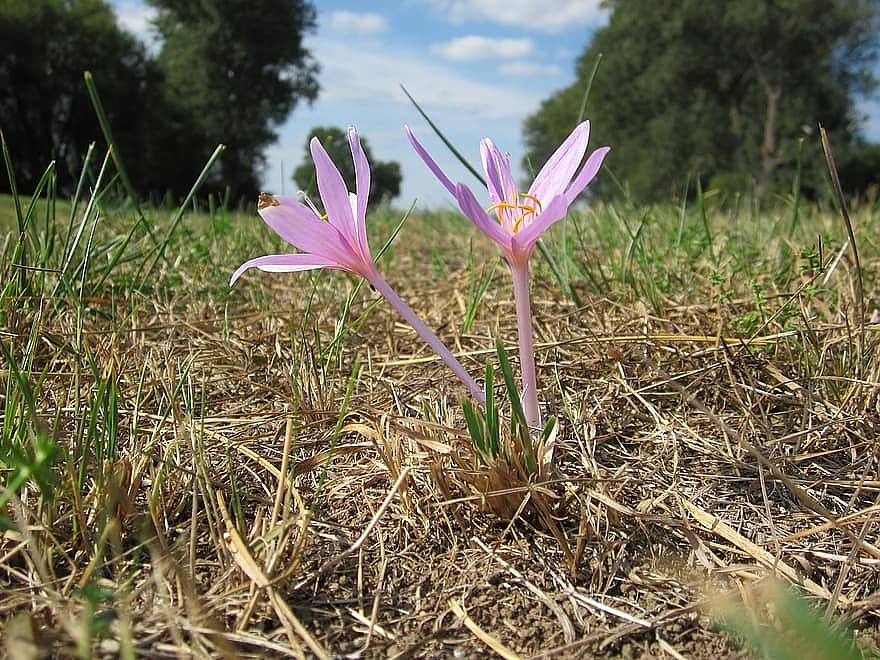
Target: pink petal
x=472, y=209
x=284, y=263
x=554, y=177
x=499, y=180
x=588, y=173
x=298, y=225
x=362, y=187
x=429, y=161
x=334, y=193
x=524, y=240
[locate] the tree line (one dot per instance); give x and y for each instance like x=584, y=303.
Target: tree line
x=223, y=71
x=727, y=94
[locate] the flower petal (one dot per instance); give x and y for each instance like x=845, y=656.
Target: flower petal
x=524, y=240
x=472, y=209
x=285, y=263
x=362, y=188
x=499, y=179
x=333, y=191
x=587, y=173
x=297, y=224
x=554, y=177
x=420, y=150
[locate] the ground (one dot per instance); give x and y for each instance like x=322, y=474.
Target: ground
x=277, y=487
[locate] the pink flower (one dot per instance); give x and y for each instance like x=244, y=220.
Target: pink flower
x=516, y=221
x=339, y=240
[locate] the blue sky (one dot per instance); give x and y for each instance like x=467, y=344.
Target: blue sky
x=478, y=67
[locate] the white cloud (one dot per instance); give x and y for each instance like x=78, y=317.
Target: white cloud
x=525, y=69
x=360, y=85
x=545, y=15
x=472, y=47
x=354, y=23
x=357, y=77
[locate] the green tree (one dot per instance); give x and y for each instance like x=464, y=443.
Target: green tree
x=385, y=176
x=45, y=112
x=720, y=90
x=237, y=68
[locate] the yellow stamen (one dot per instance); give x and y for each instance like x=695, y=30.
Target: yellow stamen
x=534, y=199
x=527, y=209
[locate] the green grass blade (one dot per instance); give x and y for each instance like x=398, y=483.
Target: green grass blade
x=104, y=123
x=10, y=173
x=476, y=296
x=444, y=139
x=517, y=413
x=493, y=425
x=704, y=217
x=344, y=328
x=340, y=420
x=476, y=426
x=181, y=210
x=582, y=112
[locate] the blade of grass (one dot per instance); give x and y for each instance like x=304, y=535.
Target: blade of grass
x=181, y=210
x=582, y=112
x=439, y=133
x=477, y=292
x=701, y=207
x=71, y=248
x=340, y=420
x=104, y=123
x=518, y=424
x=13, y=188
x=844, y=213
x=343, y=327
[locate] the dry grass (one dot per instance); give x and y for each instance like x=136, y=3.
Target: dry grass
x=265, y=497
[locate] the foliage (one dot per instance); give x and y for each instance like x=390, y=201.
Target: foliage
x=490, y=440
x=789, y=629
x=725, y=90
x=238, y=68
x=386, y=175
x=45, y=111
x=223, y=75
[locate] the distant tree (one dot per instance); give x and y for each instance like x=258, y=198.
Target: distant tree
x=385, y=176
x=859, y=169
x=45, y=112
x=237, y=68
x=715, y=89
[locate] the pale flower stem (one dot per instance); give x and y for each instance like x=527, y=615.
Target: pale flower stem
x=427, y=335
x=520, y=274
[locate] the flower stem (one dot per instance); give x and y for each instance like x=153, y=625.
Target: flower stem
x=427, y=335
x=520, y=274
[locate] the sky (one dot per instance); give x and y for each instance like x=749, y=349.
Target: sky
x=477, y=67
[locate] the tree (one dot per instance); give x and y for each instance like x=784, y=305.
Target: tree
x=45, y=112
x=726, y=90
x=238, y=68
x=385, y=176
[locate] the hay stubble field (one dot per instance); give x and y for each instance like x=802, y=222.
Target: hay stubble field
x=283, y=469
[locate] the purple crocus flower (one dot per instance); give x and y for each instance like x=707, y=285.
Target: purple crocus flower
x=515, y=221
x=338, y=240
